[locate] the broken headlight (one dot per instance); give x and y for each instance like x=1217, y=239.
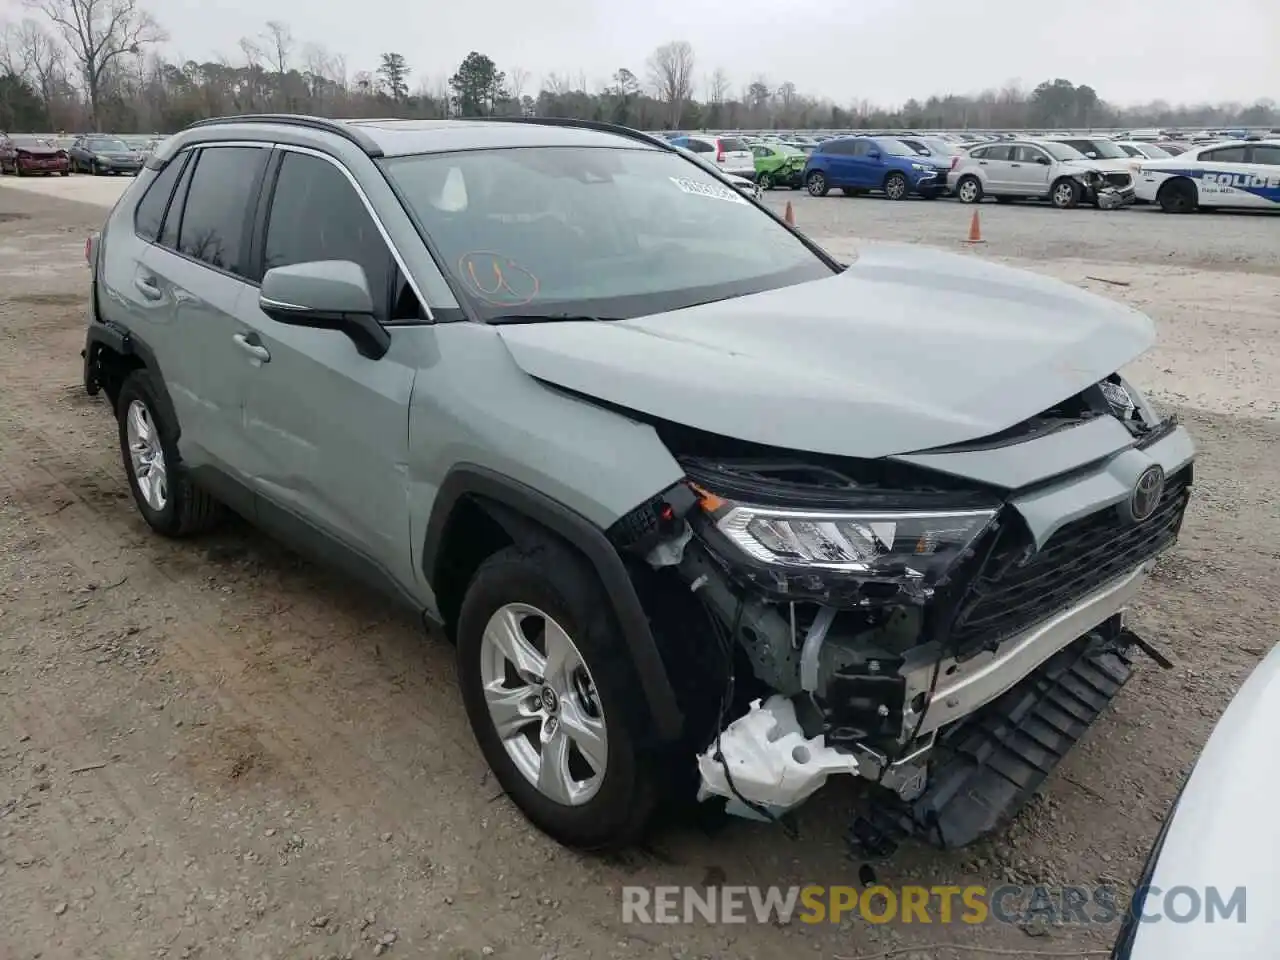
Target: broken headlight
x=876, y=544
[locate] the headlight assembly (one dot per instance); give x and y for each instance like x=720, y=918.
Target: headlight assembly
x=884, y=544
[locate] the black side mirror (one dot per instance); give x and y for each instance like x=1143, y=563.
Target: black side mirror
x=326, y=295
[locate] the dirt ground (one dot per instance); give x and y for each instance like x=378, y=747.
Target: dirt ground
x=213, y=749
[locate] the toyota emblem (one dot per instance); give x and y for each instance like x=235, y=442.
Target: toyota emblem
x=1146, y=494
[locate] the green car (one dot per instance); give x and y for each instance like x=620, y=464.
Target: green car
x=778, y=165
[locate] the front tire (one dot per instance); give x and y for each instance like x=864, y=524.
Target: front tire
x=541, y=663
x=896, y=186
x=170, y=503
x=1178, y=196
x=1065, y=194
x=816, y=184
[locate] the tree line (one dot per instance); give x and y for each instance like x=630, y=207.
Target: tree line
x=76, y=65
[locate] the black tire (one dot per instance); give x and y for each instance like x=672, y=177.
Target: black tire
x=816, y=183
x=1178, y=196
x=188, y=510
x=896, y=186
x=96, y=170
x=1065, y=193
x=554, y=579
x=969, y=190
x=17, y=169
x=64, y=173
x=765, y=180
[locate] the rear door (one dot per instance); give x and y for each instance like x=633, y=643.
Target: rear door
x=195, y=279
x=329, y=426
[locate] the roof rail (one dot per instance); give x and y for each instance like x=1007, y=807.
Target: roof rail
x=598, y=125
x=336, y=127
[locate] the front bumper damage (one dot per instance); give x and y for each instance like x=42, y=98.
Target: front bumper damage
x=1004, y=670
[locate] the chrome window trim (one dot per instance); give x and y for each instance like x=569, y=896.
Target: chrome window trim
x=373, y=215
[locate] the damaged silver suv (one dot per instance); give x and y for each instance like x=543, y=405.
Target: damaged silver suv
x=706, y=512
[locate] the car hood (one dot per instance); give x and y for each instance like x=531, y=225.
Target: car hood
x=1106, y=166
x=906, y=350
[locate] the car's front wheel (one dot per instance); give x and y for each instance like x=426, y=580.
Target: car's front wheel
x=895, y=186
x=1178, y=196
x=540, y=665
x=1065, y=194
x=169, y=502
x=816, y=184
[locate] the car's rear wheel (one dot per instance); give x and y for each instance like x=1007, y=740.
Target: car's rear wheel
x=895, y=186
x=170, y=503
x=766, y=181
x=1065, y=194
x=1177, y=196
x=816, y=184
x=540, y=663
x=969, y=190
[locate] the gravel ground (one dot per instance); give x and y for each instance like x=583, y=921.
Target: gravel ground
x=214, y=749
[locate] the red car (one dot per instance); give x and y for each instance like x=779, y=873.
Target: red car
x=28, y=155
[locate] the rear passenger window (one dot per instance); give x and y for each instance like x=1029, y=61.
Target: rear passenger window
x=317, y=215
x=216, y=214
x=149, y=215
x=173, y=219
x=1224, y=155
x=1268, y=155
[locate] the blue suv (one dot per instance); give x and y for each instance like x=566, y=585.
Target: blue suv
x=862, y=164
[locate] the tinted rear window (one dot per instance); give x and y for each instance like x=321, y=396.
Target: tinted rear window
x=150, y=212
x=731, y=144
x=218, y=200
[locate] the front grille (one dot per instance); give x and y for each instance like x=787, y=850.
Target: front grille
x=1120, y=181
x=1018, y=588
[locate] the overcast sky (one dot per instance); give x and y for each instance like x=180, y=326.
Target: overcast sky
x=880, y=50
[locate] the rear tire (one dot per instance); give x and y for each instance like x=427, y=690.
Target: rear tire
x=766, y=181
x=170, y=503
x=521, y=595
x=1178, y=196
x=969, y=190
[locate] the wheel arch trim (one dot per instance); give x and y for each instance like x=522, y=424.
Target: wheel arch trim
x=519, y=504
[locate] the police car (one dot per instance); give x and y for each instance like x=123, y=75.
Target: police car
x=1237, y=173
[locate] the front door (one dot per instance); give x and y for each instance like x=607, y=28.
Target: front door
x=330, y=426
x=1029, y=170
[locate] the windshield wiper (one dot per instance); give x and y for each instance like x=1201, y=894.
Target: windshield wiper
x=513, y=318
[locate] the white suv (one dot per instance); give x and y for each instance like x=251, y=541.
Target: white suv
x=731, y=154
x=1039, y=169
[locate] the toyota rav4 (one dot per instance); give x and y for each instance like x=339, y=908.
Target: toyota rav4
x=705, y=511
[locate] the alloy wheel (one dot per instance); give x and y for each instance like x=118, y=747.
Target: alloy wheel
x=146, y=456
x=543, y=703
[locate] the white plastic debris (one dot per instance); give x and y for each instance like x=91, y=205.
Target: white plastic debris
x=771, y=762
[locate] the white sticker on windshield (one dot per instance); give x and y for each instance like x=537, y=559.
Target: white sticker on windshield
x=713, y=190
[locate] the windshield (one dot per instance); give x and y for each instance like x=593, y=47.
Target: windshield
x=1060, y=151
x=1108, y=150
x=1155, y=153
x=107, y=145
x=28, y=142
x=610, y=232
x=897, y=148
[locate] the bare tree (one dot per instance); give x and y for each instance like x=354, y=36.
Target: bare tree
x=555, y=84
x=278, y=42
x=99, y=33
x=718, y=86
x=671, y=73
x=517, y=80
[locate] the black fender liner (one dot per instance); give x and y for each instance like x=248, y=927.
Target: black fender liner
x=104, y=335
x=519, y=503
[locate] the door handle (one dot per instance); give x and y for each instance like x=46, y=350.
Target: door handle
x=1015, y=164
x=249, y=344
x=982, y=163
x=147, y=287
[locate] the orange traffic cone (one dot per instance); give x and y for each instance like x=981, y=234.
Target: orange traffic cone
x=789, y=215
x=975, y=230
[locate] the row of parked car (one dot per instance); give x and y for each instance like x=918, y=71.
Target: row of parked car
x=1065, y=170
x=97, y=154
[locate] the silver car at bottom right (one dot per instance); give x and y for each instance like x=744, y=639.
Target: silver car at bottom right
x=1210, y=883
x=1029, y=169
